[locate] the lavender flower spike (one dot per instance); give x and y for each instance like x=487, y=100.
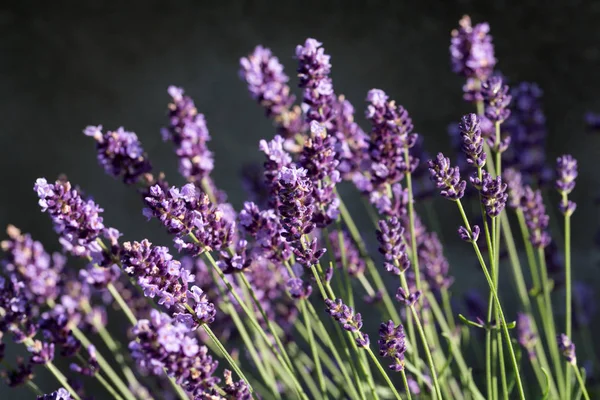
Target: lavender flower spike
x=536, y=218
x=267, y=84
x=497, y=99
x=391, y=245
x=447, y=178
x=525, y=335
x=566, y=171
x=187, y=130
x=349, y=320
x=567, y=348
x=472, y=144
x=78, y=222
x=471, y=50
x=493, y=193
x=392, y=344
x=60, y=394
x=120, y=153
x=313, y=70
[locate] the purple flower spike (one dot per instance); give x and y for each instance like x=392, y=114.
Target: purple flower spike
x=435, y=265
x=313, y=70
x=236, y=262
x=391, y=134
x=77, y=221
x=469, y=236
x=165, y=345
x=345, y=315
x=392, y=246
x=536, y=218
x=407, y=298
x=472, y=144
x=567, y=348
x=296, y=203
x=525, y=335
x=187, y=130
x=592, y=120
x=566, y=171
x=39, y=271
x=60, y=394
x=187, y=211
x=120, y=153
x=157, y=273
x=298, y=288
x=447, y=178
x=267, y=84
x=318, y=158
x=392, y=344
x=471, y=50
x=513, y=179
x=497, y=99
x=493, y=193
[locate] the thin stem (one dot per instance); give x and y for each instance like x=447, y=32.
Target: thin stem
x=581, y=382
x=548, y=316
x=104, y=365
x=382, y=371
x=448, y=309
x=513, y=358
x=62, y=379
x=34, y=388
x=178, y=389
x=227, y=356
x=107, y=386
x=117, y=296
x=411, y=217
x=379, y=284
x=568, y=295
x=417, y=320
x=406, y=387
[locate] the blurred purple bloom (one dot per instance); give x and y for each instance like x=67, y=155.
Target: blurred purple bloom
x=471, y=50
x=187, y=130
x=392, y=344
x=60, y=394
x=567, y=348
x=525, y=334
x=120, y=153
x=267, y=84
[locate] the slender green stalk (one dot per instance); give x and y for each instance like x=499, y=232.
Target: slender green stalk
x=382, y=371
x=227, y=356
x=411, y=218
x=513, y=358
x=104, y=365
x=568, y=289
x=281, y=354
x=379, y=284
x=448, y=309
x=313, y=348
x=61, y=379
x=34, y=388
x=581, y=382
x=526, y=303
x=124, y=307
x=549, y=317
x=455, y=348
x=406, y=387
x=107, y=386
x=178, y=389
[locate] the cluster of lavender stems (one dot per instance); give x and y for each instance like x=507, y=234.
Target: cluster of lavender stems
x=279, y=299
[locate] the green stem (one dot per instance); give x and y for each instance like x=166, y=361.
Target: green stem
x=382, y=371
x=513, y=358
x=227, y=356
x=568, y=296
x=178, y=389
x=117, y=296
x=548, y=316
x=61, y=379
x=34, y=388
x=406, y=387
x=313, y=348
x=356, y=237
x=581, y=382
x=104, y=365
x=448, y=309
x=107, y=386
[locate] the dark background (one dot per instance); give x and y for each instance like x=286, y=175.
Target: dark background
x=66, y=65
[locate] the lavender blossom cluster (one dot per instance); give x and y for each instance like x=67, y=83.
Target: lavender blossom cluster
x=277, y=300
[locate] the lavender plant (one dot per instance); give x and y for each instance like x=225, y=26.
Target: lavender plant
x=278, y=300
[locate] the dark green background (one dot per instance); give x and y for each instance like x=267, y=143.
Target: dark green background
x=65, y=65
